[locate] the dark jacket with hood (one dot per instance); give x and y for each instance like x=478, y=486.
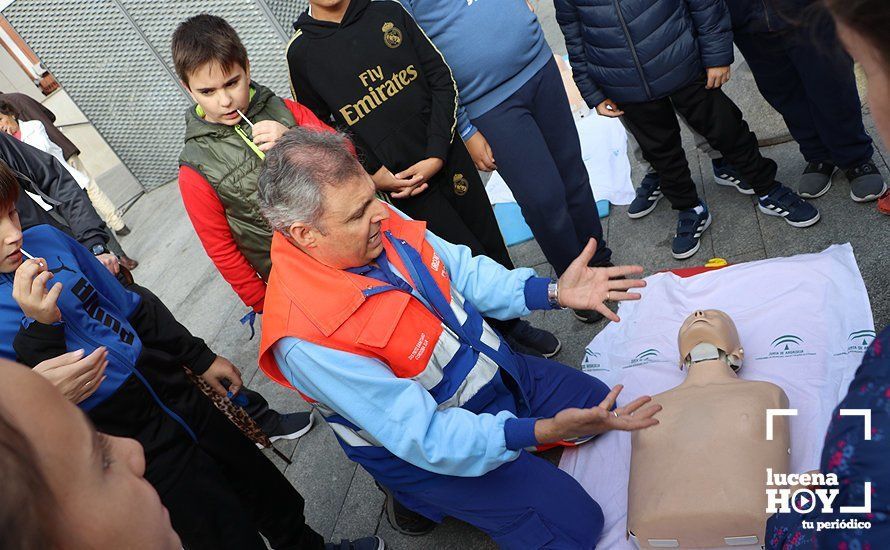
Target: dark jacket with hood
x=146, y=346
x=759, y=16
x=633, y=51
x=380, y=78
x=41, y=174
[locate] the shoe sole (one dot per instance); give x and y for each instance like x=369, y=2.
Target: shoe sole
x=869, y=198
x=554, y=352
x=691, y=252
x=391, y=515
x=291, y=436
x=586, y=321
x=805, y=223
x=639, y=215
x=725, y=183
x=823, y=190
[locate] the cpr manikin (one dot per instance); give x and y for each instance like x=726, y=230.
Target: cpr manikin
x=697, y=479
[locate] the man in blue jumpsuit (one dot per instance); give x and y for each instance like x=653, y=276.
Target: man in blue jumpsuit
x=379, y=323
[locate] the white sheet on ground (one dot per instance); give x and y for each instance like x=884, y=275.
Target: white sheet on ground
x=604, y=150
x=804, y=323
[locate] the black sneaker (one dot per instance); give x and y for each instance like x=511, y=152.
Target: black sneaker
x=782, y=202
x=726, y=175
x=648, y=195
x=367, y=543
x=541, y=341
x=690, y=227
x=403, y=520
x=292, y=426
x=816, y=179
x=866, y=182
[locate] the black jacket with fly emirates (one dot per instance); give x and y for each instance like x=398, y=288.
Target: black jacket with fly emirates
x=381, y=80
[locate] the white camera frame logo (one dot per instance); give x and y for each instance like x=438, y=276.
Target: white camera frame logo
x=803, y=501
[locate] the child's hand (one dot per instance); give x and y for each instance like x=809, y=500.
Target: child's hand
x=479, y=149
x=609, y=109
x=717, y=76
x=29, y=291
x=422, y=171
x=399, y=189
x=267, y=132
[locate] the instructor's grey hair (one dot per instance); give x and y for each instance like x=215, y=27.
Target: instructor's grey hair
x=296, y=172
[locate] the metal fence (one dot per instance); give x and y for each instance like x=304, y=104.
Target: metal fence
x=113, y=58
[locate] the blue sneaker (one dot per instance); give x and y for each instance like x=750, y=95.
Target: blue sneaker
x=726, y=175
x=690, y=226
x=782, y=202
x=648, y=195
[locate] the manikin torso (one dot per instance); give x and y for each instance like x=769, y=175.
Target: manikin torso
x=698, y=477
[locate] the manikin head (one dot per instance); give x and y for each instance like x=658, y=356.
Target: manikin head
x=314, y=191
x=705, y=330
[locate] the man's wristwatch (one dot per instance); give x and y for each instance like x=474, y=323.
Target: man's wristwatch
x=553, y=295
x=98, y=249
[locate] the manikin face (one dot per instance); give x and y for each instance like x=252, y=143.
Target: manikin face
x=10, y=239
x=104, y=502
x=220, y=92
x=349, y=232
x=8, y=124
x=709, y=326
x=877, y=69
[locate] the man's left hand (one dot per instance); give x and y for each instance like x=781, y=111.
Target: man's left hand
x=110, y=262
x=717, y=76
x=223, y=369
x=583, y=287
x=266, y=133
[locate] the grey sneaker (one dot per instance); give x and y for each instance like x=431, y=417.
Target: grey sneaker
x=816, y=179
x=866, y=183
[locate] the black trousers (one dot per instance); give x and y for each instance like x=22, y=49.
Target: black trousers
x=806, y=75
x=221, y=491
x=456, y=208
x=713, y=115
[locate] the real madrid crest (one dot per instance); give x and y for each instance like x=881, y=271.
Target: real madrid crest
x=461, y=185
x=392, y=36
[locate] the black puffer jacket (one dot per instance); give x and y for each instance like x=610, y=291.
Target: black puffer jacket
x=638, y=50
x=41, y=173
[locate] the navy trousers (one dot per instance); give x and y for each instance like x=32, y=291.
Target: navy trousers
x=536, y=147
x=529, y=502
x=808, y=78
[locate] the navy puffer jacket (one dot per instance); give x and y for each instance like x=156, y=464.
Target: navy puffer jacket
x=631, y=51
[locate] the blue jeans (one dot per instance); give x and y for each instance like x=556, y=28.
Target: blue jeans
x=536, y=147
x=529, y=502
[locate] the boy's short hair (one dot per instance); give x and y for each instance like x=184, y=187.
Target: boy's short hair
x=9, y=186
x=203, y=39
x=7, y=109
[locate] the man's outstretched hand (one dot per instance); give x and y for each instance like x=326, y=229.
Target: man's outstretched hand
x=583, y=287
x=572, y=423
